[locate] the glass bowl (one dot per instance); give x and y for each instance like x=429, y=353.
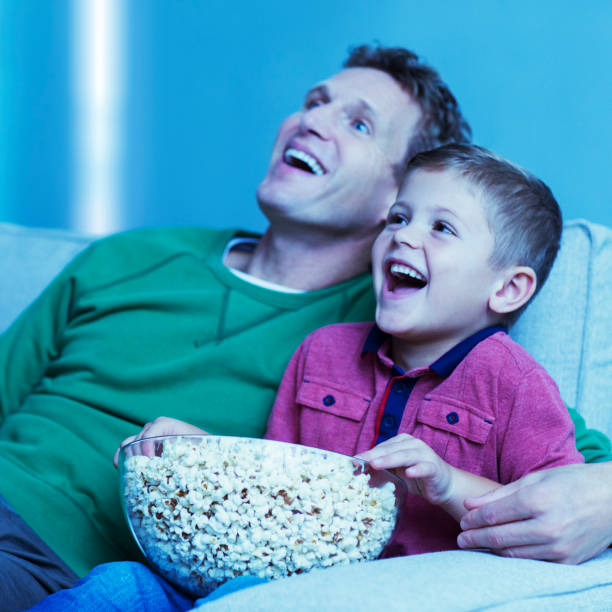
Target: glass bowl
x=205, y=509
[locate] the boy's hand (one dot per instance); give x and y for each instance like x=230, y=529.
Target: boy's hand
x=161, y=426
x=424, y=472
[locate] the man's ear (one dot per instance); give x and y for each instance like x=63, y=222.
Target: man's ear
x=515, y=289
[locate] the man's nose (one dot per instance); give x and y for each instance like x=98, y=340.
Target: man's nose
x=318, y=120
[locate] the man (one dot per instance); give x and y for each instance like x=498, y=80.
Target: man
x=165, y=321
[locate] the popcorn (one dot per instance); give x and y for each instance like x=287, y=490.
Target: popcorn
x=212, y=508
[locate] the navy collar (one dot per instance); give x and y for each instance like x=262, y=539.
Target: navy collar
x=443, y=366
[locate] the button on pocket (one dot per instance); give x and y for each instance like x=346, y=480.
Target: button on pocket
x=456, y=418
x=332, y=399
x=452, y=418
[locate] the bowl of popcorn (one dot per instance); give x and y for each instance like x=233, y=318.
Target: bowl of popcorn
x=205, y=509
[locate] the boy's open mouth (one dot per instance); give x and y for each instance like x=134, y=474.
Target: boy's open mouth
x=402, y=276
x=303, y=161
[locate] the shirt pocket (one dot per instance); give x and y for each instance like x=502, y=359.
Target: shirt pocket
x=456, y=431
x=331, y=416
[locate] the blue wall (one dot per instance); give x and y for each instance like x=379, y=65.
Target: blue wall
x=35, y=113
x=207, y=83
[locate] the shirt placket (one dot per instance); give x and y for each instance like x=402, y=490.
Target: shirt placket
x=395, y=398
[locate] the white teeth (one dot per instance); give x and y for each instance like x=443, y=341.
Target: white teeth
x=402, y=270
x=309, y=160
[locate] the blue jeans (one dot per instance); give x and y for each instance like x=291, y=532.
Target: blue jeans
x=130, y=587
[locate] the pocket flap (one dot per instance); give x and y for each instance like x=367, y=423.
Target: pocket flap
x=456, y=418
x=332, y=399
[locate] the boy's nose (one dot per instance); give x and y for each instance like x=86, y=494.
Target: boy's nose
x=409, y=235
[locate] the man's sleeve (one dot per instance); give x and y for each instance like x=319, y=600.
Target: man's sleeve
x=594, y=445
x=32, y=341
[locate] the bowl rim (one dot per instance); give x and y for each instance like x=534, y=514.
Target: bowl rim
x=403, y=487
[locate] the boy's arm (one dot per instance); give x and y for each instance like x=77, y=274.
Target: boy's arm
x=427, y=474
x=561, y=514
x=466, y=485
x=538, y=431
x=283, y=422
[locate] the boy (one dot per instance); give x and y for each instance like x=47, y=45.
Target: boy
x=469, y=240
x=436, y=390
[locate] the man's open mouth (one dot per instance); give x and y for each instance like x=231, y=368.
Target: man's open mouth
x=303, y=161
x=402, y=276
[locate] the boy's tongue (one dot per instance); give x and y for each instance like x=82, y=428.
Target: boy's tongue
x=403, y=278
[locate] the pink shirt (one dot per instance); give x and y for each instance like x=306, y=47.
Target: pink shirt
x=497, y=414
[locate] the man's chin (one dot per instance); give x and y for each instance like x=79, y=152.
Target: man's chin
x=275, y=195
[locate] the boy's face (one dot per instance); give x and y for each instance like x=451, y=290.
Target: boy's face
x=432, y=276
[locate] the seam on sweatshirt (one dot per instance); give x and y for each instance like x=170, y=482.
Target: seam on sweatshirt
x=223, y=314
x=141, y=272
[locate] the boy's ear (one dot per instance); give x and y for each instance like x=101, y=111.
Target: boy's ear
x=514, y=289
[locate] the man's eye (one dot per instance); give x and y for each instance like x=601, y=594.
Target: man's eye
x=312, y=102
x=361, y=126
x=445, y=228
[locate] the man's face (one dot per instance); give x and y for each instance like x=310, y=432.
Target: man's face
x=432, y=276
x=332, y=163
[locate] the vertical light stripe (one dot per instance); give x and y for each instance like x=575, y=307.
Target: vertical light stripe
x=97, y=52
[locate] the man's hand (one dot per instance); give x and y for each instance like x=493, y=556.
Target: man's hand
x=424, y=472
x=562, y=514
x=161, y=426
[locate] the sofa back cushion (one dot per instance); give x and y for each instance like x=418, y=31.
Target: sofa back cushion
x=568, y=326
x=29, y=259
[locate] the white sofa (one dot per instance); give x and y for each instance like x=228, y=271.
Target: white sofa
x=568, y=328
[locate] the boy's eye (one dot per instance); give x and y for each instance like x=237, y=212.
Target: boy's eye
x=395, y=218
x=361, y=126
x=445, y=228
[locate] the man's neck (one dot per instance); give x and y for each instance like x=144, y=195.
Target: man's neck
x=306, y=263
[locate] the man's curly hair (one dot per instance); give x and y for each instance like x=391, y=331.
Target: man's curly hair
x=442, y=121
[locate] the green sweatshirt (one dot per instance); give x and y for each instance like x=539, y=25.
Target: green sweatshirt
x=142, y=324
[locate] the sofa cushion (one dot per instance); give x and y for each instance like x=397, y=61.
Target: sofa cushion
x=568, y=326
x=30, y=259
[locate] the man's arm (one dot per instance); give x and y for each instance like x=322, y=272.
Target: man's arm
x=594, y=445
x=547, y=514
x=562, y=514
x=31, y=342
